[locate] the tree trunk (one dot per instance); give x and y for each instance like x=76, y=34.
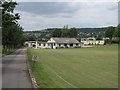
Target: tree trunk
x=110, y=40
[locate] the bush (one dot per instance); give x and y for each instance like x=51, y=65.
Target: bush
x=107, y=41
x=8, y=51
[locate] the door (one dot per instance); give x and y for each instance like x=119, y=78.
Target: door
x=52, y=45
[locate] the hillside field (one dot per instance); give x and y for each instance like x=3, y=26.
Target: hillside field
x=95, y=67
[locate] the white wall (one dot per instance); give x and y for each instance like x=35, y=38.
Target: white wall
x=43, y=45
x=51, y=41
x=49, y=46
x=74, y=45
x=68, y=45
x=54, y=46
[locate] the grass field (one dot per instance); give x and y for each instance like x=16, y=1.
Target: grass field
x=95, y=67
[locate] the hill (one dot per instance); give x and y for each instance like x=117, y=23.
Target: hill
x=82, y=32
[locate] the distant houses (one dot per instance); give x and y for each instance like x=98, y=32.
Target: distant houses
x=55, y=43
x=92, y=41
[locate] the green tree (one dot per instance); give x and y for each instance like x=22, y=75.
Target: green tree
x=12, y=32
x=57, y=33
x=109, y=33
x=117, y=33
x=64, y=32
x=31, y=38
x=72, y=32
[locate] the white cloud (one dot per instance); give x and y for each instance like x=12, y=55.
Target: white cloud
x=31, y=21
x=98, y=13
x=88, y=15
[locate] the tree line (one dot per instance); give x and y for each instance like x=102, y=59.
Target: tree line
x=12, y=32
x=89, y=30
x=113, y=33
x=64, y=32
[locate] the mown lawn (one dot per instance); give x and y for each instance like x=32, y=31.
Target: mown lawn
x=95, y=67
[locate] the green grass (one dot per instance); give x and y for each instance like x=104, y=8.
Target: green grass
x=7, y=51
x=95, y=67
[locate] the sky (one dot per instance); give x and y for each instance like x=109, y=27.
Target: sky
x=41, y=15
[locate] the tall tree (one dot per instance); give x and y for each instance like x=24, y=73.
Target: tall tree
x=12, y=32
x=109, y=33
x=117, y=33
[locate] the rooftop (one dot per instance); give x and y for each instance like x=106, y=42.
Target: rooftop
x=65, y=40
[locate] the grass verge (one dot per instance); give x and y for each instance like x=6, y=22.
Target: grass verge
x=95, y=67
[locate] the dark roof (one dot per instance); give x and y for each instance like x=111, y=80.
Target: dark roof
x=65, y=40
x=42, y=42
x=35, y=42
x=31, y=41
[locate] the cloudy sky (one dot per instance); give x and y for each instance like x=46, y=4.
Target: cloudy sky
x=42, y=15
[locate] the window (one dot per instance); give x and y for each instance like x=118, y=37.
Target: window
x=65, y=45
x=34, y=45
x=43, y=44
x=77, y=44
x=71, y=45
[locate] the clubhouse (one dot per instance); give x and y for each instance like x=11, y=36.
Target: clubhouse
x=55, y=43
